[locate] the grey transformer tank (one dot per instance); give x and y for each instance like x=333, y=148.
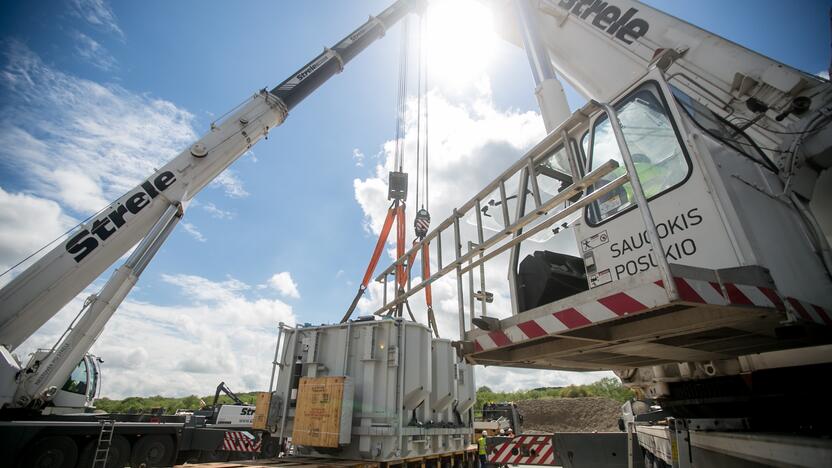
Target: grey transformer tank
x=404, y=393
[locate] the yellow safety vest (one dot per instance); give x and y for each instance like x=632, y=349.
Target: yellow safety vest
x=481, y=444
x=651, y=180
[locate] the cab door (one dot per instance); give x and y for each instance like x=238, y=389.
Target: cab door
x=612, y=237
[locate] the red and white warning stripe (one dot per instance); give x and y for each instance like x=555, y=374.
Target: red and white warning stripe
x=606, y=308
x=524, y=450
x=641, y=299
x=240, y=441
x=810, y=312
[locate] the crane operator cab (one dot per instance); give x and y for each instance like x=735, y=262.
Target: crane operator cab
x=744, y=267
x=78, y=394
x=716, y=200
x=662, y=165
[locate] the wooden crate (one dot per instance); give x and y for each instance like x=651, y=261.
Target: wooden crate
x=323, y=416
x=261, y=413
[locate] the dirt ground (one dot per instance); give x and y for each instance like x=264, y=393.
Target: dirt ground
x=570, y=415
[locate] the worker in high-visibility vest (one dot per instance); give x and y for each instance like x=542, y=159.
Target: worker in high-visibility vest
x=481, y=451
x=652, y=178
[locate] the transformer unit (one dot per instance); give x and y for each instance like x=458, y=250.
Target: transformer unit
x=371, y=389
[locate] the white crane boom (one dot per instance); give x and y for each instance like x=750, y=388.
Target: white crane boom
x=149, y=212
x=600, y=47
x=35, y=295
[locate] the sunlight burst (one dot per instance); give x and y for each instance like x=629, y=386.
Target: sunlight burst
x=461, y=42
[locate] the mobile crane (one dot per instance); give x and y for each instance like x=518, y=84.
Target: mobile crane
x=686, y=193
x=37, y=398
x=686, y=141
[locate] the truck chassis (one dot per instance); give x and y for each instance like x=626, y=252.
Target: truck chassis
x=157, y=440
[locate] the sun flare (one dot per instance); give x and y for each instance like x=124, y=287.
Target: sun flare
x=461, y=41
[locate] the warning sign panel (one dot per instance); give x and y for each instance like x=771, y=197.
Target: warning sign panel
x=595, y=241
x=602, y=277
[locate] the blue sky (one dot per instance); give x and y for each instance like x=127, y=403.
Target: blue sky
x=287, y=233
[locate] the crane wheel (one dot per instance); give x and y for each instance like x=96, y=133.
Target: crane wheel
x=270, y=448
x=213, y=456
x=118, y=456
x=51, y=452
x=152, y=451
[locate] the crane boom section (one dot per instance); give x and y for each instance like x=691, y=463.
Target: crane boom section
x=600, y=47
x=332, y=60
x=40, y=291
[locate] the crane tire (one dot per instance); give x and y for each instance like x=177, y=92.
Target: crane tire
x=117, y=457
x=213, y=456
x=152, y=451
x=270, y=448
x=51, y=452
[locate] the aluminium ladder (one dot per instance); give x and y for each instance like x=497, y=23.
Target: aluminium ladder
x=105, y=440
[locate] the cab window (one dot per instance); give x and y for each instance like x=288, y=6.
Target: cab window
x=77, y=382
x=556, y=170
x=651, y=137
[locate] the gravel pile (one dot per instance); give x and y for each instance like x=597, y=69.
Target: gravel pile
x=570, y=415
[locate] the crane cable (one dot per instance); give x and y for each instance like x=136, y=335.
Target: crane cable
x=421, y=223
x=419, y=114
x=401, y=103
x=396, y=211
x=427, y=139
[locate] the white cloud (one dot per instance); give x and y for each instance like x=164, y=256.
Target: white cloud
x=215, y=211
x=358, y=157
x=194, y=232
x=76, y=189
x=204, y=290
x=196, y=365
x=471, y=143
x=222, y=331
x=231, y=184
x=509, y=379
x=82, y=143
x=27, y=223
x=97, y=13
x=93, y=52
x=74, y=144
x=284, y=284
x=823, y=74
x=123, y=358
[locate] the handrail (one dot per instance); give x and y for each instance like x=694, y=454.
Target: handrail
x=543, y=215
x=577, y=187
x=543, y=148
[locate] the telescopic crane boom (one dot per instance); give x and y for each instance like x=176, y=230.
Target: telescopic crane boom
x=145, y=215
x=600, y=47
